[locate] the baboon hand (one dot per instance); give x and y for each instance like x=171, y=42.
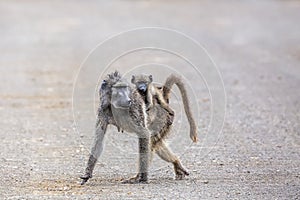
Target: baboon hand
x=85, y=178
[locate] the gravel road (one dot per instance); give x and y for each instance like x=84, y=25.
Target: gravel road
x=256, y=45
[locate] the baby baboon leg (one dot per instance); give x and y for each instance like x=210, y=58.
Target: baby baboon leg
x=95, y=153
x=166, y=154
x=164, y=104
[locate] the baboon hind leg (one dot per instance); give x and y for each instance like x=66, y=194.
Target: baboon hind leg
x=167, y=155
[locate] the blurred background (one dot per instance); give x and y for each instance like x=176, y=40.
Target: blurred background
x=256, y=45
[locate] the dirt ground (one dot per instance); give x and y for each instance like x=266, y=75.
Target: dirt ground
x=256, y=45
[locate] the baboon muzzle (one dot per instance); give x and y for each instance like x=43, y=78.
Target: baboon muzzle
x=142, y=87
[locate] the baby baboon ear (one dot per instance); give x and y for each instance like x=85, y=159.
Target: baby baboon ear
x=133, y=79
x=150, y=77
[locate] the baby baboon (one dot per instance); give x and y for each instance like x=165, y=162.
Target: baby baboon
x=144, y=83
x=123, y=107
x=145, y=86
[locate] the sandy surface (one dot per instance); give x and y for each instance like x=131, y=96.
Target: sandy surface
x=256, y=45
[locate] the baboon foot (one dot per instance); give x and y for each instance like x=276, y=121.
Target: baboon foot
x=136, y=179
x=180, y=172
x=85, y=178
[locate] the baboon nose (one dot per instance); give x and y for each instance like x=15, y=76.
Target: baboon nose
x=142, y=88
x=129, y=102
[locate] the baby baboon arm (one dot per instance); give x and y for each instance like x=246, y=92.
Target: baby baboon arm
x=149, y=98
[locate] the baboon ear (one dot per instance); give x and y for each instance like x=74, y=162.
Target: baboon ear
x=132, y=79
x=150, y=77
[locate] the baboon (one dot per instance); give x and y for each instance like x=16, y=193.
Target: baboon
x=145, y=86
x=144, y=83
x=129, y=113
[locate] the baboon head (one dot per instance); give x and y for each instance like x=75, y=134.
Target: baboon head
x=121, y=95
x=105, y=91
x=141, y=82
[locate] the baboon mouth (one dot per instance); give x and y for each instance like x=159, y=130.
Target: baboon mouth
x=122, y=106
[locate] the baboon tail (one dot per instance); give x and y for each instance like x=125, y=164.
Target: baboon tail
x=171, y=80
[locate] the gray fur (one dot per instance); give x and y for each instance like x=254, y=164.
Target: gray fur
x=124, y=107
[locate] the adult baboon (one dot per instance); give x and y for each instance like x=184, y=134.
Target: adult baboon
x=122, y=105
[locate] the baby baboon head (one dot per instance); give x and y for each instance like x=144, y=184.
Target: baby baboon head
x=121, y=93
x=141, y=82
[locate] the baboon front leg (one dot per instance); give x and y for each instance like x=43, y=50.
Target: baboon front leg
x=144, y=159
x=166, y=154
x=95, y=153
x=144, y=151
